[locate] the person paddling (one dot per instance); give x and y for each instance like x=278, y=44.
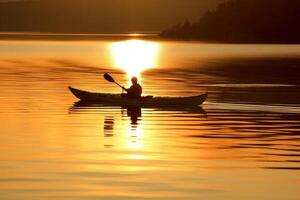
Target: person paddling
x=135, y=91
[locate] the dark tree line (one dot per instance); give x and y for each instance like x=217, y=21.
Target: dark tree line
x=244, y=21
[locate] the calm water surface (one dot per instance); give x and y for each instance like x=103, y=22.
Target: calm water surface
x=243, y=143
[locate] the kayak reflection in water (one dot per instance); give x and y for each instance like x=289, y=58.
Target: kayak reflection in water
x=135, y=91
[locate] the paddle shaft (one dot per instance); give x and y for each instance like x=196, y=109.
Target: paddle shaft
x=118, y=85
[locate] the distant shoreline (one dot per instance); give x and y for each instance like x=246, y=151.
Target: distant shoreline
x=225, y=42
x=74, y=36
x=107, y=36
x=243, y=22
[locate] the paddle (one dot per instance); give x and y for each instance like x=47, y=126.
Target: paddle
x=111, y=79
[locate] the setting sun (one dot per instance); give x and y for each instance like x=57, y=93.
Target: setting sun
x=134, y=56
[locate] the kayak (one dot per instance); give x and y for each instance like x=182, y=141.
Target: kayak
x=117, y=99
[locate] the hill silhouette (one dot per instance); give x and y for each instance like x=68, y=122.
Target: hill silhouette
x=244, y=21
x=97, y=16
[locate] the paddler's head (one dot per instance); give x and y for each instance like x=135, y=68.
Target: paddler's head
x=134, y=80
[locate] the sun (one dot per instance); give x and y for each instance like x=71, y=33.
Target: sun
x=134, y=56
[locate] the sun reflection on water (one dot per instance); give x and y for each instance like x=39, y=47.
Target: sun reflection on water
x=134, y=56
x=135, y=137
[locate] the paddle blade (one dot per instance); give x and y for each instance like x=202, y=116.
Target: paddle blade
x=108, y=78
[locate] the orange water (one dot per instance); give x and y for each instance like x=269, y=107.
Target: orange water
x=242, y=144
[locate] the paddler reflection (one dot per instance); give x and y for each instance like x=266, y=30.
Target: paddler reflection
x=135, y=114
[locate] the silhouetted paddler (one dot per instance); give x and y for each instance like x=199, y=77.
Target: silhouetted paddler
x=135, y=91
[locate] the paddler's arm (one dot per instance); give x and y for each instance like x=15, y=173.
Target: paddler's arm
x=125, y=89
